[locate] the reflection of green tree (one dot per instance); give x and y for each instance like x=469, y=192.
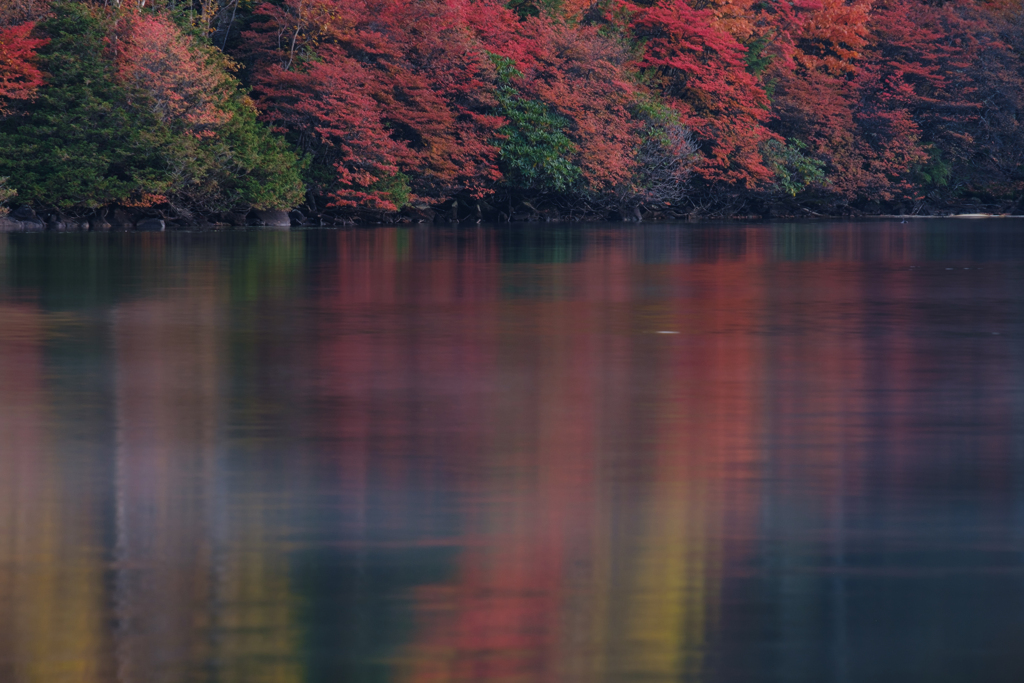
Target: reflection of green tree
x=65, y=271
x=530, y=244
x=266, y=273
x=258, y=635
x=75, y=270
x=795, y=242
x=402, y=244
x=356, y=611
x=268, y=265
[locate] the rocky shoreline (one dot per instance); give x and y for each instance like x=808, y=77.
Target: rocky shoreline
x=27, y=220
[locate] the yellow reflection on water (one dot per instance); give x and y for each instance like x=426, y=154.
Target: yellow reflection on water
x=53, y=627
x=245, y=412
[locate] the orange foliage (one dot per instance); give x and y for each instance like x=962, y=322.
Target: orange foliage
x=158, y=61
x=700, y=68
x=396, y=98
x=380, y=88
x=584, y=77
x=834, y=36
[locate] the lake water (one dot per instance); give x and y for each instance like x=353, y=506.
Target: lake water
x=711, y=453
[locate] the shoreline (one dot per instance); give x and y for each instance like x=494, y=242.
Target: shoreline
x=14, y=225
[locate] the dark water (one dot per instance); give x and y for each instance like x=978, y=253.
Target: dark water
x=741, y=453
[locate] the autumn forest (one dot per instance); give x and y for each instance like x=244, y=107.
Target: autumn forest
x=412, y=110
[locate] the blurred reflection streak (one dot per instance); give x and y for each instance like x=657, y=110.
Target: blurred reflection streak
x=51, y=578
x=182, y=602
x=257, y=634
x=166, y=408
x=578, y=577
x=702, y=431
x=504, y=616
x=463, y=455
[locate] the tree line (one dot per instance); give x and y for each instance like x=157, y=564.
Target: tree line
x=460, y=109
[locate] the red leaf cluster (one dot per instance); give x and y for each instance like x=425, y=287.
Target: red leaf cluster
x=389, y=88
x=395, y=102
x=585, y=77
x=700, y=68
x=162, y=64
x=380, y=88
x=19, y=75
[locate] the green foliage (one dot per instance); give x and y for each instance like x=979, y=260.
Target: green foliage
x=6, y=194
x=934, y=172
x=657, y=117
x=89, y=141
x=794, y=169
x=77, y=145
x=757, y=58
x=524, y=9
x=535, y=151
x=257, y=168
x=396, y=187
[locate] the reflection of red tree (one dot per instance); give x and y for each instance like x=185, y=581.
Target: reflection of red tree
x=400, y=348
x=551, y=576
x=602, y=482
x=578, y=569
x=502, y=618
x=21, y=428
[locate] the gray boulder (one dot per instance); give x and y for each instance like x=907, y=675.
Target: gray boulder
x=274, y=218
x=232, y=218
x=150, y=225
x=58, y=223
x=121, y=219
x=99, y=224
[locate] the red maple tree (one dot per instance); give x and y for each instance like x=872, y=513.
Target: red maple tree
x=387, y=92
x=164, y=65
x=700, y=68
x=19, y=75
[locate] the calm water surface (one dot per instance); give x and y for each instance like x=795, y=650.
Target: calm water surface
x=735, y=453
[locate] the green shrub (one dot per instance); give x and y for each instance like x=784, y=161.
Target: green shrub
x=535, y=151
x=794, y=169
x=89, y=141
